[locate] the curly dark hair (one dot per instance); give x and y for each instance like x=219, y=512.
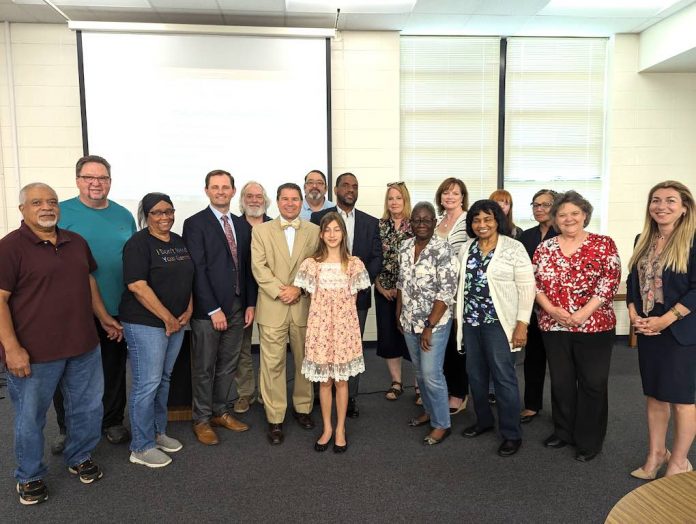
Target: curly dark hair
x=490, y=207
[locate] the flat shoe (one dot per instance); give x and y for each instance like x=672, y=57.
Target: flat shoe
x=321, y=447
x=554, y=442
x=586, y=456
x=431, y=441
x=340, y=449
x=509, y=447
x=526, y=419
x=418, y=422
x=462, y=407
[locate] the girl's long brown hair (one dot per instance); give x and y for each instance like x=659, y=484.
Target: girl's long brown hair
x=322, y=251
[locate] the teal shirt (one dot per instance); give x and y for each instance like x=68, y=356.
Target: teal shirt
x=106, y=231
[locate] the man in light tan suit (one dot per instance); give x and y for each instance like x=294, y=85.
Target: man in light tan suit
x=278, y=248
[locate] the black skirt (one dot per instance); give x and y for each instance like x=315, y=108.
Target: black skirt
x=390, y=343
x=667, y=369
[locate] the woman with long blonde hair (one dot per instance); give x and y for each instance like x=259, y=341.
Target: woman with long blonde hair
x=661, y=297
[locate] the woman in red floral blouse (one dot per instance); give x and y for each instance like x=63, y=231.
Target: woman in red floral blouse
x=577, y=275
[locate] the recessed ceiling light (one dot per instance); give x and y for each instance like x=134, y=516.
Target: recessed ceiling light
x=350, y=6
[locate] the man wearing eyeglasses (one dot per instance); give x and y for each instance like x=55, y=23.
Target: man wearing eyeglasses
x=315, y=194
x=106, y=226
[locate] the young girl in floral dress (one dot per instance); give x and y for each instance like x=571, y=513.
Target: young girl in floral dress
x=333, y=346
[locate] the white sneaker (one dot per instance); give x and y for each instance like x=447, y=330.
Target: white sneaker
x=152, y=458
x=168, y=444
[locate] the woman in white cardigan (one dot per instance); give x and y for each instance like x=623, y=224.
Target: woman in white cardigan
x=495, y=296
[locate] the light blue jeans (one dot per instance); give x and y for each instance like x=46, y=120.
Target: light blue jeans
x=429, y=374
x=152, y=356
x=81, y=380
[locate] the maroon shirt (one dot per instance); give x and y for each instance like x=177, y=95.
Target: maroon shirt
x=50, y=301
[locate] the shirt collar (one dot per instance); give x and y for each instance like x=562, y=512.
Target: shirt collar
x=344, y=214
x=26, y=231
x=219, y=215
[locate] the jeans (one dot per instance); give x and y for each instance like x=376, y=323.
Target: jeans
x=114, y=367
x=152, y=355
x=82, y=383
x=429, y=374
x=488, y=354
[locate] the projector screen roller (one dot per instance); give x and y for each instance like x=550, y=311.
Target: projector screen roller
x=165, y=110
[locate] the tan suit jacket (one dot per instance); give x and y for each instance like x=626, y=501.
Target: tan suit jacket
x=273, y=265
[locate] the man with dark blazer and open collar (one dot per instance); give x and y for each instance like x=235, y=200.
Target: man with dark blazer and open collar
x=224, y=301
x=364, y=243
x=278, y=248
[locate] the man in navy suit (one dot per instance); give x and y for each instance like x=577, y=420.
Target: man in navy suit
x=224, y=300
x=364, y=243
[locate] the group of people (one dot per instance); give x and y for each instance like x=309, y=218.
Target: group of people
x=458, y=292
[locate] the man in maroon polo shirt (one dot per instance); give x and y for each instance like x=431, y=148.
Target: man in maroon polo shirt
x=48, y=338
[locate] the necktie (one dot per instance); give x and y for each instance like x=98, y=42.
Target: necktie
x=295, y=223
x=233, y=247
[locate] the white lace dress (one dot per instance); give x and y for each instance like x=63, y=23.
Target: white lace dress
x=333, y=346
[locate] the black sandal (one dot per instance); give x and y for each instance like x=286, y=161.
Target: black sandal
x=396, y=392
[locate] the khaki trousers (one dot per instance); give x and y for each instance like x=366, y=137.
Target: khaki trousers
x=273, y=379
x=245, y=379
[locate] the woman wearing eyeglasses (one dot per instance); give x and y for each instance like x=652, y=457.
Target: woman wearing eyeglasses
x=534, y=352
x=155, y=307
x=426, y=288
x=394, y=228
x=452, y=201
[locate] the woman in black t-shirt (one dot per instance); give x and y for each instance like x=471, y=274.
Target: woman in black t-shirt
x=155, y=307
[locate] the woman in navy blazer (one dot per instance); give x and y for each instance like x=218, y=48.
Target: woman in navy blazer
x=661, y=297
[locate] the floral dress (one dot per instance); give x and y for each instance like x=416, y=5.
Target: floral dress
x=333, y=345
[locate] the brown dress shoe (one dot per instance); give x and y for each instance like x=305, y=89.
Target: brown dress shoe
x=275, y=434
x=205, y=434
x=303, y=419
x=228, y=421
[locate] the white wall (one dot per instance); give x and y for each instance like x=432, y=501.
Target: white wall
x=651, y=131
x=651, y=137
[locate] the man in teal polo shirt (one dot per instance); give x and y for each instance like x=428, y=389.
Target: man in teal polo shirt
x=106, y=226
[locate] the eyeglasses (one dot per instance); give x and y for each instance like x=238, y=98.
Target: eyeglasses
x=99, y=179
x=423, y=221
x=545, y=205
x=169, y=213
x=319, y=183
x=396, y=184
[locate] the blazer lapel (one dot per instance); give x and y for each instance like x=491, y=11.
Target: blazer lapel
x=217, y=227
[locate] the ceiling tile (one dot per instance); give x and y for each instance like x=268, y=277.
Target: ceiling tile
x=511, y=7
x=562, y=26
x=260, y=20
x=372, y=22
x=308, y=20
x=496, y=25
x=192, y=5
x=438, y=7
x=186, y=17
x=274, y=6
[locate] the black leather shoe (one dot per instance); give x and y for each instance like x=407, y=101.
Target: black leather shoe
x=586, y=456
x=275, y=434
x=475, y=431
x=353, y=411
x=554, y=442
x=303, y=419
x=509, y=447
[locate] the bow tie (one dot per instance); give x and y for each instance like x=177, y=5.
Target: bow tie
x=295, y=223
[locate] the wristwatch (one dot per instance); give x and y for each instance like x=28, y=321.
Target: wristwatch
x=427, y=323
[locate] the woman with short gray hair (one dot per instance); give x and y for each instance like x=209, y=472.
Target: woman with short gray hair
x=577, y=275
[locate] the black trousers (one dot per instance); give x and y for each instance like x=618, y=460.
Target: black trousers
x=534, y=367
x=579, y=365
x=455, y=367
x=114, y=365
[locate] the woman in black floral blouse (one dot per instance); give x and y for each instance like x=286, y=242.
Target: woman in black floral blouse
x=394, y=227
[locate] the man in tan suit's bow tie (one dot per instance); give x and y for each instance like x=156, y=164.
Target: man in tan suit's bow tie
x=278, y=248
